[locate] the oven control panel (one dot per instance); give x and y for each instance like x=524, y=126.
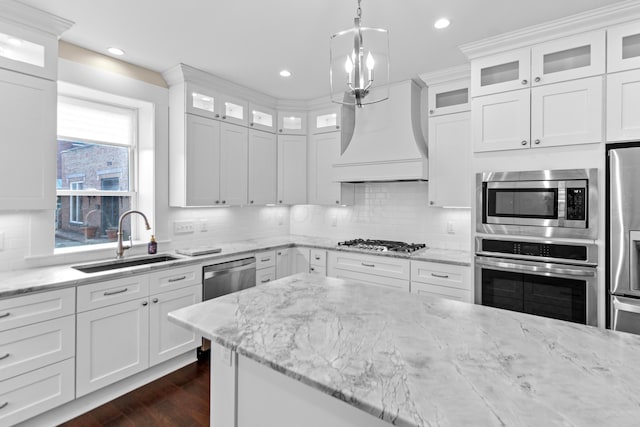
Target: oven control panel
x=535, y=249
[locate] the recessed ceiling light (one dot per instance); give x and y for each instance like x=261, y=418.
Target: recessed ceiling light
x=441, y=23
x=115, y=51
x=285, y=73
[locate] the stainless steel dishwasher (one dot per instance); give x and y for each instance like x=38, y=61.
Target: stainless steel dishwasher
x=222, y=279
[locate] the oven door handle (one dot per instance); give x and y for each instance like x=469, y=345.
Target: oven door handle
x=539, y=268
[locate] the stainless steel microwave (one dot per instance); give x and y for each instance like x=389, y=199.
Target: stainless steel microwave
x=549, y=203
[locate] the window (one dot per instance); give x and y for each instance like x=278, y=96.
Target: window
x=96, y=159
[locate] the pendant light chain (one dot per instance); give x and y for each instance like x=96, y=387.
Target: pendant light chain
x=359, y=11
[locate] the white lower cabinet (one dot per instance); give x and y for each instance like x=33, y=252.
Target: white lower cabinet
x=167, y=339
x=443, y=280
x=376, y=270
x=265, y=275
x=283, y=263
x=113, y=343
x=35, y=392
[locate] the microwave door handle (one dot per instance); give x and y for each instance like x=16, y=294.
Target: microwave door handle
x=558, y=271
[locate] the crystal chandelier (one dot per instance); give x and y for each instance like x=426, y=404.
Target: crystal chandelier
x=359, y=57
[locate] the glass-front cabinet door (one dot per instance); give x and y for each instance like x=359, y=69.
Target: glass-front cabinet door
x=447, y=98
x=500, y=73
x=28, y=52
x=202, y=102
x=262, y=118
x=234, y=110
x=327, y=120
x=292, y=123
x=623, y=47
x=568, y=58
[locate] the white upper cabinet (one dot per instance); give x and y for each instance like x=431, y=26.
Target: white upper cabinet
x=233, y=165
x=450, y=149
x=202, y=101
x=234, y=110
x=292, y=123
x=563, y=59
x=501, y=121
x=292, y=169
x=567, y=113
x=623, y=106
x=262, y=168
x=326, y=120
x=501, y=72
x=262, y=118
x=324, y=151
x=568, y=58
x=450, y=97
x=201, y=184
x=623, y=47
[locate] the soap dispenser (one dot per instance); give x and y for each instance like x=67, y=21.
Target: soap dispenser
x=152, y=247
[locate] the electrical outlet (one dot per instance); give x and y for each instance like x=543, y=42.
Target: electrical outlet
x=451, y=227
x=183, y=227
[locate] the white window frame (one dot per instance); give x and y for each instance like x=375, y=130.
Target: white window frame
x=75, y=215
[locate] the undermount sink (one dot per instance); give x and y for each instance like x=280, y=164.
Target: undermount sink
x=122, y=263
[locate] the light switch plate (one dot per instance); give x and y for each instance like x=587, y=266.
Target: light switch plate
x=183, y=227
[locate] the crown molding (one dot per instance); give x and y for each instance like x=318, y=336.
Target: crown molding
x=19, y=13
x=460, y=72
x=594, y=19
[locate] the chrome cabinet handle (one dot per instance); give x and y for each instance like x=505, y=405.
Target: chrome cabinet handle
x=217, y=201
x=431, y=111
x=279, y=201
x=279, y=253
x=251, y=201
x=250, y=124
x=317, y=257
x=537, y=79
x=5, y=315
x=224, y=117
x=120, y=291
x=4, y=404
x=524, y=142
x=524, y=82
x=5, y=356
x=337, y=202
x=155, y=300
x=442, y=276
x=368, y=265
x=265, y=280
x=217, y=116
x=177, y=279
x=312, y=269
x=537, y=141
x=144, y=303
x=265, y=259
x=431, y=202
x=280, y=130
x=337, y=126
x=224, y=201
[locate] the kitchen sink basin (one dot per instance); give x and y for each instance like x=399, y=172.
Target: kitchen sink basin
x=122, y=263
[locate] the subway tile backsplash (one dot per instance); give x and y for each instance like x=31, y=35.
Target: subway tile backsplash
x=390, y=211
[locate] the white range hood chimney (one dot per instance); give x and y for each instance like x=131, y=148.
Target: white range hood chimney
x=387, y=142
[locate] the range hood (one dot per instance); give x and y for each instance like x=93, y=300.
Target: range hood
x=387, y=143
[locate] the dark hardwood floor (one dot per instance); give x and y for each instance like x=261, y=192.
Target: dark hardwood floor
x=178, y=399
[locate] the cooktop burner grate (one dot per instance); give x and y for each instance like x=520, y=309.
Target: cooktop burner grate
x=383, y=245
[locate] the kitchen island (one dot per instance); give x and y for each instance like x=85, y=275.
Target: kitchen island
x=316, y=351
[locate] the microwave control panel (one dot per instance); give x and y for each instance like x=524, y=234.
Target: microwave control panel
x=576, y=204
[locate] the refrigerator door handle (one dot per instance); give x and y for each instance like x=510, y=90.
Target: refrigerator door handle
x=620, y=305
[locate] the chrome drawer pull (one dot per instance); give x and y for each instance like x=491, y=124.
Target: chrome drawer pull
x=5, y=356
x=442, y=276
x=368, y=265
x=106, y=294
x=317, y=257
x=265, y=280
x=4, y=404
x=177, y=279
x=265, y=259
x=5, y=315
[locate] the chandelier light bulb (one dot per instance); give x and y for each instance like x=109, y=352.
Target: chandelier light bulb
x=370, y=62
x=348, y=65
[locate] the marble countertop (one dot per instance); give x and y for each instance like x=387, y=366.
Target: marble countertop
x=17, y=282
x=415, y=360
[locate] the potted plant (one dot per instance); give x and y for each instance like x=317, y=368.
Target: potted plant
x=112, y=233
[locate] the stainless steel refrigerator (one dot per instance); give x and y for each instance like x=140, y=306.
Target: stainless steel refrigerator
x=624, y=238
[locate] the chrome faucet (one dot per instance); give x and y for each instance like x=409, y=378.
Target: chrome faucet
x=121, y=247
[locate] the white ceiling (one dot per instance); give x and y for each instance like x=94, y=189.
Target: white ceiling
x=250, y=41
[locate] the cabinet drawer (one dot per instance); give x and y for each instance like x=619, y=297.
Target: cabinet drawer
x=452, y=276
x=440, y=291
x=319, y=270
x=175, y=278
x=112, y=292
x=32, y=308
x=34, y=346
x=318, y=257
x=265, y=275
x=265, y=259
x=370, y=264
x=35, y=392
x=372, y=279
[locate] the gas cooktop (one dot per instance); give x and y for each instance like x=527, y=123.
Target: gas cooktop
x=383, y=245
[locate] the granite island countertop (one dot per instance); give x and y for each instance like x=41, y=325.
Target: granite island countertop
x=18, y=282
x=423, y=361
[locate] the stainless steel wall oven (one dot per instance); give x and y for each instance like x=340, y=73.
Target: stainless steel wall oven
x=546, y=278
x=548, y=203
